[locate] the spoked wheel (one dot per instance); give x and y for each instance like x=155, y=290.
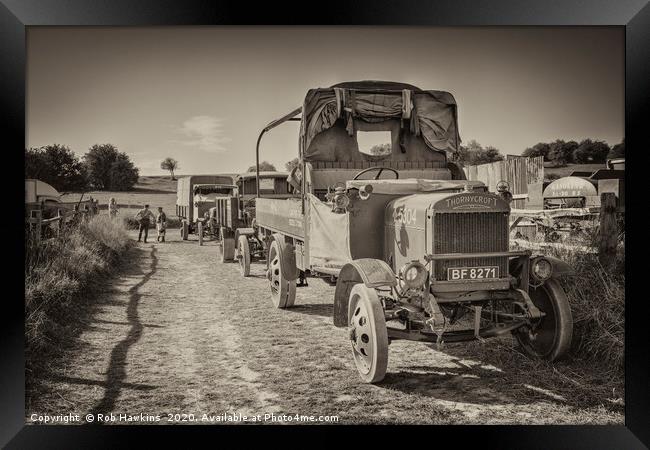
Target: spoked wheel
x=227, y=246
x=185, y=230
x=244, y=256
x=283, y=291
x=368, y=334
x=551, y=338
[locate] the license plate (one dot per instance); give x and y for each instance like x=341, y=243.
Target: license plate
x=473, y=273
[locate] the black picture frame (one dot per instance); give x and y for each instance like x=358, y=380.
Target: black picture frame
x=16, y=15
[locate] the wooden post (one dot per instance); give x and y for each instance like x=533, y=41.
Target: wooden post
x=608, y=230
x=59, y=224
x=39, y=225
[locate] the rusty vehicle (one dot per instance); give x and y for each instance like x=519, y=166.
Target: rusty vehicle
x=234, y=216
x=195, y=195
x=415, y=250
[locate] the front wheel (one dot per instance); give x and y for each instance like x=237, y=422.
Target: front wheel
x=244, y=255
x=283, y=291
x=550, y=338
x=368, y=333
x=227, y=246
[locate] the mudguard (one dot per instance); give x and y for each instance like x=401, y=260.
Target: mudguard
x=287, y=258
x=371, y=272
x=244, y=232
x=560, y=268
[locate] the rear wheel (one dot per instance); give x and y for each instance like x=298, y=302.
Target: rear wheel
x=227, y=246
x=368, y=334
x=283, y=291
x=550, y=338
x=185, y=230
x=244, y=255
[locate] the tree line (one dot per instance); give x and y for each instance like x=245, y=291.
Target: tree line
x=588, y=151
x=103, y=167
x=558, y=152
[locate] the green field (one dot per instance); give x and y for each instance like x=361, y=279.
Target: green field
x=153, y=190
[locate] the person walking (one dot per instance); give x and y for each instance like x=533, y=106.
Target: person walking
x=161, y=225
x=144, y=218
x=112, y=208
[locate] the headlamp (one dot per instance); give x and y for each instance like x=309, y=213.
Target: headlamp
x=541, y=269
x=413, y=274
x=340, y=200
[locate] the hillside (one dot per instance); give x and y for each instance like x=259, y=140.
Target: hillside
x=153, y=190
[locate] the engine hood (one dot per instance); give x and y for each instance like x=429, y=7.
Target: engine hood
x=414, y=210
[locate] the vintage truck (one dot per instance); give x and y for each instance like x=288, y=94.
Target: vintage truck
x=195, y=195
x=234, y=216
x=415, y=250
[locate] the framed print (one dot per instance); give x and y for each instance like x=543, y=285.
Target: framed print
x=376, y=214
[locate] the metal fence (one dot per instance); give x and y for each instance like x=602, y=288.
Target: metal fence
x=45, y=220
x=525, y=176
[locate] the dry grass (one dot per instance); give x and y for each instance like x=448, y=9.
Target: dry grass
x=59, y=275
x=597, y=298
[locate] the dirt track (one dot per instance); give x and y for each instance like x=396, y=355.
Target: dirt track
x=178, y=332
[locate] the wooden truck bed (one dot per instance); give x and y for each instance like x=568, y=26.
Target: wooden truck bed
x=281, y=215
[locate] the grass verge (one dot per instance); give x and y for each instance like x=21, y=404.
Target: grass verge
x=60, y=275
x=597, y=298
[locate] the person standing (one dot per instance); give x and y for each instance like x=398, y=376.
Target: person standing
x=144, y=218
x=161, y=225
x=112, y=208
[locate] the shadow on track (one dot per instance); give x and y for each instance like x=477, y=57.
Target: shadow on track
x=116, y=372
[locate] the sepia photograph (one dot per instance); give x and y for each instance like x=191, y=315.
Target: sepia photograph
x=324, y=225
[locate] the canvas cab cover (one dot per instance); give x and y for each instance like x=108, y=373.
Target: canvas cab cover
x=429, y=114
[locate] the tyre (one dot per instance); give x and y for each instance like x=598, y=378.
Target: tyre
x=185, y=230
x=199, y=231
x=550, y=338
x=283, y=291
x=368, y=334
x=227, y=246
x=244, y=256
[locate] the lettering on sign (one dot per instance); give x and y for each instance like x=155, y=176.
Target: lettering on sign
x=267, y=184
x=471, y=202
x=295, y=223
x=406, y=216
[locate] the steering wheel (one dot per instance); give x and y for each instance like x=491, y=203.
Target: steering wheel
x=380, y=169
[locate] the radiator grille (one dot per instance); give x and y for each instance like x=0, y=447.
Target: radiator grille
x=475, y=232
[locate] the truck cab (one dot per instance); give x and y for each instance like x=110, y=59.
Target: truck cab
x=195, y=195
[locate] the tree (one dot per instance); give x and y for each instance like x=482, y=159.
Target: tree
x=109, y=169
x=591, y=152
x=123, y=174
x=618, y=151
x=290, y=165
x=539, y=149
x=56, y=165
x=561, y=153
x=169, y=164
x=265, y=166
x=473, y=154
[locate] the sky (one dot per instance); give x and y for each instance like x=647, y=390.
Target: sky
x=201, y=95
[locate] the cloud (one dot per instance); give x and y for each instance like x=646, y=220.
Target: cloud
x=205, y=133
